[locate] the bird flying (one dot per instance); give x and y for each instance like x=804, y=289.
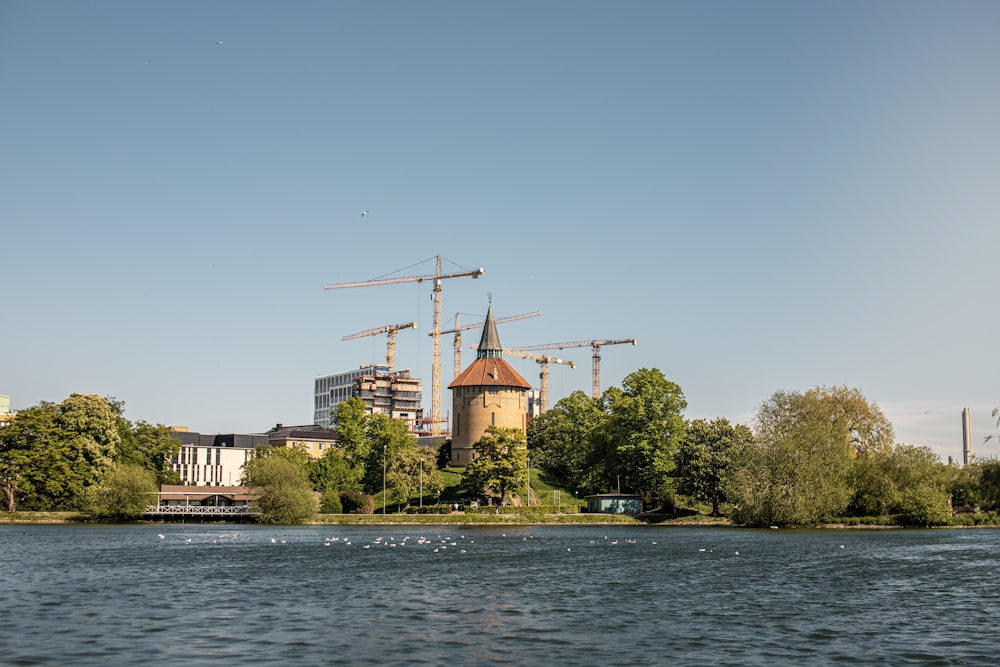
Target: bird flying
x=363, y=214
x=219, y=43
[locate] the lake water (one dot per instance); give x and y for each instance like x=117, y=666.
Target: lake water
x=574, y=595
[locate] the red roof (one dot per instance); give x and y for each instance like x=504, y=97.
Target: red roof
x=490, y=372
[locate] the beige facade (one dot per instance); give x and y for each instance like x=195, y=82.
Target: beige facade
x=487, y=393
x=314, y=440
x=477, y=407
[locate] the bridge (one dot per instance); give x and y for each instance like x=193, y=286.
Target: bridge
x=219, y=512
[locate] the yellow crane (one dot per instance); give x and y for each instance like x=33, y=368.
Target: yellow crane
x=543, y=360
x=595, y=344
x=437, y=277
x=458, y=333
x=391, y=329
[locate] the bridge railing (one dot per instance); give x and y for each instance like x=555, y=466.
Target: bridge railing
x=206, y=510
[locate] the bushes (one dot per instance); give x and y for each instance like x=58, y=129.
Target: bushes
x=330, y=503
x=354, y=502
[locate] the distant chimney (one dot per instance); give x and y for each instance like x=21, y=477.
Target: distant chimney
x=277, y=427
x=966, y=437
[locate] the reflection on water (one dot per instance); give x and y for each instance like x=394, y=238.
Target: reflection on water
x=581, y=595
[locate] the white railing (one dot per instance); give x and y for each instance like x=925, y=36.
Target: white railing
x=214, y=510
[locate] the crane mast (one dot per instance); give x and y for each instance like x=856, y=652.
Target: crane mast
x=437, y=277
x=543, y=360
x=391, y=329
x=596, y=356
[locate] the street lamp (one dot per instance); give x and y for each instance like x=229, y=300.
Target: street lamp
x=383, y=477
x=527, y=478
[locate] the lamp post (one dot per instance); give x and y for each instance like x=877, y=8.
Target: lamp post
x=527, y=478
x=421, y=482
x=383, y=477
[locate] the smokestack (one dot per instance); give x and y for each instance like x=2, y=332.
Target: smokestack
x=966, y=437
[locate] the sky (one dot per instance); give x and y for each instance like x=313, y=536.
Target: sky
x=767, y=196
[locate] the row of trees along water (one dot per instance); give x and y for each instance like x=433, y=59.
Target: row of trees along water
x=825, y=454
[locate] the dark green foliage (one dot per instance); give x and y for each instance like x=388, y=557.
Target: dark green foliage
x=355, y=502
x=334, y=472
x=500, y=466
x=330, y=503
x=636, y=445
x=559, y=440
x=705, y=459
x=443, y=458
x=53, y=455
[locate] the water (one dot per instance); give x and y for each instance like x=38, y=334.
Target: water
x=573, y=595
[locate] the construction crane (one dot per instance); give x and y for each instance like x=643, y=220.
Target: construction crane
x=458, y=333
x=391, y=329
x=543, y=360
x=437, y=277
x=596, y=344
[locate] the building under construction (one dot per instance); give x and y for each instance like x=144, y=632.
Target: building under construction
x=395, y=394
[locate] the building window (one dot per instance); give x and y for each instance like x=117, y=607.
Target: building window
x=493, y=419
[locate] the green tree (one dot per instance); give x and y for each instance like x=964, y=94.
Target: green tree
x=560, y=440
x=411, y=469
x=52, y=454
x=989, y=483
x=352, y=426
x=91, y=426
x=385, y=439
x=501, y=464
x=124, y=493
x=334, y=472
x=280, y=474
x=881, y=480
x=705, y=458
x=798, y=470
x=636, y=445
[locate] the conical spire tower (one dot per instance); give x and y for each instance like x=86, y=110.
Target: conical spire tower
x=489, y=343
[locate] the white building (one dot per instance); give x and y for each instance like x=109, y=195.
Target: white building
x=214, y=460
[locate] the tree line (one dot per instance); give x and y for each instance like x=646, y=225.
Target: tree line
x=82, y=455
x=807, y=457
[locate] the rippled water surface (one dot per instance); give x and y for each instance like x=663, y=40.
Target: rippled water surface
x=574, y=595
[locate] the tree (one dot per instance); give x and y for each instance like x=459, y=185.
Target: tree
x=90, y=424
x=352, y=430
x=411, y=469
x=281, y=476
x=636, y=445
x=882, y=480
x=705, y=458
x=989, y=483
x=334, y=472
x=124, y=493
x=501, y=464
x=385, y=439
x=798, y=469
x=560, y=439
x=52, y=454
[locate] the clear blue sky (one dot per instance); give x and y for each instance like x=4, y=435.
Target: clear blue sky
x=767, y=195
